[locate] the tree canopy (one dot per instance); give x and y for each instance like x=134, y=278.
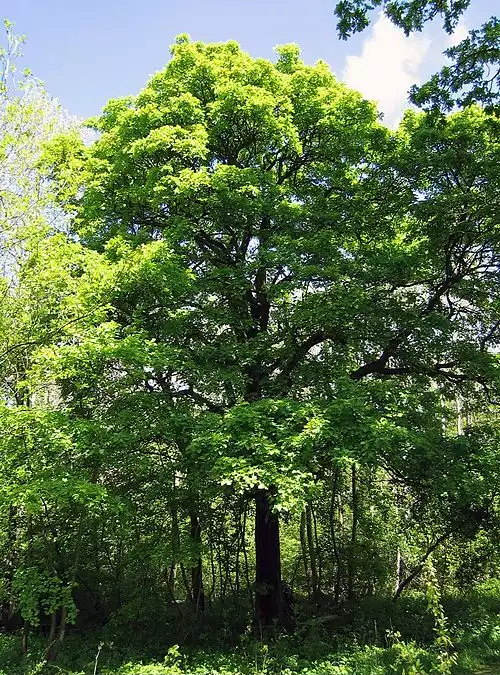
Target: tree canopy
x=278, y=241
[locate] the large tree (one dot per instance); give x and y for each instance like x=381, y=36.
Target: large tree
x=271, y=241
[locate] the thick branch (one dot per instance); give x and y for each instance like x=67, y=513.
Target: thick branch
x=438, y=369
x=301, y=350
x=378, y=366
x=420, y=566
x=198, y=398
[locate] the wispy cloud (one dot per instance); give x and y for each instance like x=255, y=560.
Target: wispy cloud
x=460, y=33
x=387, y=67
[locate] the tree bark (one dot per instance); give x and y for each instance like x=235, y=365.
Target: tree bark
x=333, y=534
x=398, y=570
x=317, y=549
x=54, y=648
x=312, y=551
x=197, y=570
x=52, y=634
x=413, y=575
x=303, y=548
x=175, y=544
x=245, y=556
x=269, y=596
x=352, y=557
x=10, y=560
x=24, y=637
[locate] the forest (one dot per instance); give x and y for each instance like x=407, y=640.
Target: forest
x=249, y=369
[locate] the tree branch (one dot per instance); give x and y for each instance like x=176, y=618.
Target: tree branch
x=300, y=351
x=420, y=566
x=198, y=398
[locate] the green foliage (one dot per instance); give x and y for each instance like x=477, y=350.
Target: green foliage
x=411, y=16
x=38, y=590
x=471, y=78
x=8, y=54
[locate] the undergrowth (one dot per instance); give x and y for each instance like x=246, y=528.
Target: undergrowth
x=419, y=635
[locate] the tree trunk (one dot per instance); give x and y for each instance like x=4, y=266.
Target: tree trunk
x=62, y=631
x=352, y=557
x=56, y=645
x=303, y=548
x=27, y=625
x=333, y=534
x=317, y=550
x=398, y=570
x=268, y=596
x=175, y=545
x=53, y=630
x=245, y=556
x=10, y=561
x=197, y=570
x=407, y=581
x=312, y=551
x=269, y=604
x=24, y=637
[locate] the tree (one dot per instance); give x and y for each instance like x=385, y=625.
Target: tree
x=29, y=118
x=270, y=241
x=474, y=75
x=32, y=494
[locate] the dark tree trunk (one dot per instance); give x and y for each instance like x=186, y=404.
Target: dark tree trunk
x=312, y=551
x=333, y=534
x=269, y=604
x=245, y=556
x=303, y=548
x=196, y=570
x=24, y=637
x=8, y=610
x=351, y=573
x=55, y=645
x=269, y=596
x=53, y=630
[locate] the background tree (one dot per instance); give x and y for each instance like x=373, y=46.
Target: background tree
x=29, y=118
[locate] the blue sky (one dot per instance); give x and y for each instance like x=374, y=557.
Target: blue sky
x=88, y=51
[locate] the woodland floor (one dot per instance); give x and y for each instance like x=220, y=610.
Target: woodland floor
x=377, y=637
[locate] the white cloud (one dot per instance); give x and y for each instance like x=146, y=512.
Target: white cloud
x=389, y=64
x=460, y=33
